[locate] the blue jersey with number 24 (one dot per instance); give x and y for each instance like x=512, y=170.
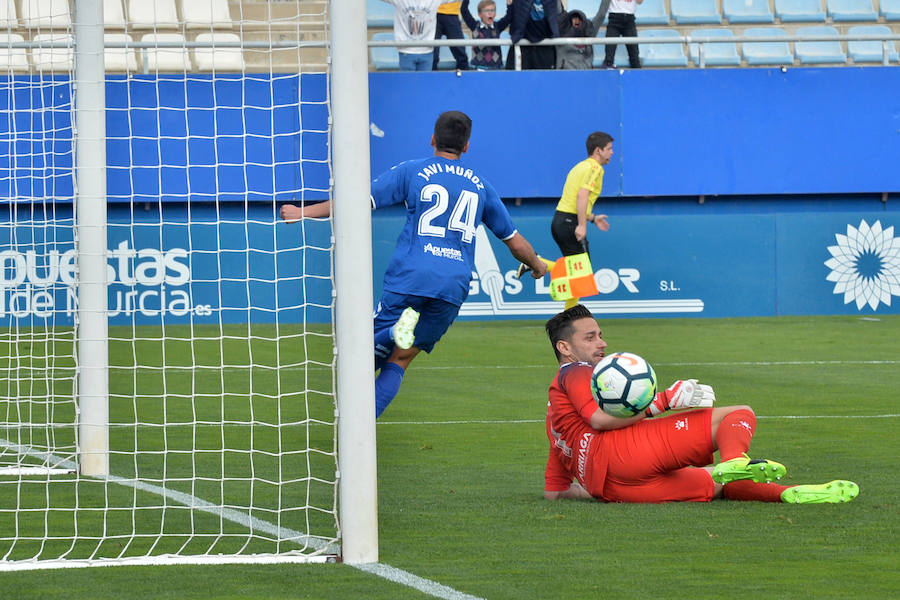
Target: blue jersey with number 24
x=445, y=203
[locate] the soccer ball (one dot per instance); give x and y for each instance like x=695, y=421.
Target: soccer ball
x=623, y=384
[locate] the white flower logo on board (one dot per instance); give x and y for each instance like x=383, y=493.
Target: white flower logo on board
x=865, y=265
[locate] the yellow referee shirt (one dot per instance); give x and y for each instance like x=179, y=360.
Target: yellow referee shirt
x=588, y=175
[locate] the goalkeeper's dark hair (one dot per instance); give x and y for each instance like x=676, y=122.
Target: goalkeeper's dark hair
x=598, y=139
x=560, y=326
x=451, y=132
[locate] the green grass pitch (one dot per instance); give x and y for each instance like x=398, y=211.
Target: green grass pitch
x=461, y=453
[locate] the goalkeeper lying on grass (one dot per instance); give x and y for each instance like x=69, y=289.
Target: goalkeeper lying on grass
x=596, y=455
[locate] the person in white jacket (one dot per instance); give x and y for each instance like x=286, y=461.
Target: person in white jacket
x=415, y=20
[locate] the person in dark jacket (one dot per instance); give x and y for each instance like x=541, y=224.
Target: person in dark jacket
x=572, y=24
x=534, y=20
x=486, y=28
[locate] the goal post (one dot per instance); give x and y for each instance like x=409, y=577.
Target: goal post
x=353, y=264
x=92, y=389
x=185, y=378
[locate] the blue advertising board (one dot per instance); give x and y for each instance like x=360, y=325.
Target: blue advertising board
x=198, y=264
x=177, y=138
x=714, y=265
x=205, y=264
x=173, y=138
x=678, y=131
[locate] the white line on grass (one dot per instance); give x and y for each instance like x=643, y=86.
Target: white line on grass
x=738, y=363
x=520, y=421
x=426, y=586
x=758, y=363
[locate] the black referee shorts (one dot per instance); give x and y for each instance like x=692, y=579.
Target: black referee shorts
x=563, y=230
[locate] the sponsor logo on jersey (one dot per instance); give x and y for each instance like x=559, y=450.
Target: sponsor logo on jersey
x=584, y=448
x=443, y=252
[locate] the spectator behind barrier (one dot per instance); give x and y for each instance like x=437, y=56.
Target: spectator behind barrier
x=574, y=23
x=415, y=20
x=621, y=24
x=448, y=26
x=486, y=57
x=534, y=20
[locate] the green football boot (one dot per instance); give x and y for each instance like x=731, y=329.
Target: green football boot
x=833, y=492
x=744, y=467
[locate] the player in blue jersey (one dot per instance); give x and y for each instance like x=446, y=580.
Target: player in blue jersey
x=428, y=276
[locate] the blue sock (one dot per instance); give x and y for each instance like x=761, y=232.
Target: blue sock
x=384, y=345
x=387, y=384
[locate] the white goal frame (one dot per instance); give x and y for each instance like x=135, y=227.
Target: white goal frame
x=351, y=221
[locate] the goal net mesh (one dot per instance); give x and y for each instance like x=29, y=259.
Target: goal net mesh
x=221, y=378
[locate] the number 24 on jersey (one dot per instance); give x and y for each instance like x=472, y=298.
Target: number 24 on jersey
x=462, y=217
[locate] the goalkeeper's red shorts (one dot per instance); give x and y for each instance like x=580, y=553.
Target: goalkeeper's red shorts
x=655, y=460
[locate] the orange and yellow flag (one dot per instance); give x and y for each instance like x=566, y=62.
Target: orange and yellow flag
x=572, y=277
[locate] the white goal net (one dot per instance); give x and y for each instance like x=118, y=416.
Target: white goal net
x=221, y=427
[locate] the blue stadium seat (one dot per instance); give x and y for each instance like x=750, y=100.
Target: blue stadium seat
x=767, y=53
x=651, y=12
x=747, y=11
x=379, y=13
x=870, y=51
x=851, y=10
x=715, y=54
x=661, y=55
x=806, y=11
x=385, y=58
x=890, y=9
x=695, y=11
x=621, y=57
x=821, y=51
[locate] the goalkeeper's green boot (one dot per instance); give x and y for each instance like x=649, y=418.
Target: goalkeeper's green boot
x=404, y=331
x=833, y=492
x=744, y=467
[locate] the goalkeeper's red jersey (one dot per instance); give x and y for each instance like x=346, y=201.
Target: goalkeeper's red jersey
x=574, y=445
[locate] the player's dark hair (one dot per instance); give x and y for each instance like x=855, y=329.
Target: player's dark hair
x=598, y=139
x=451, y=132
x=560, y=326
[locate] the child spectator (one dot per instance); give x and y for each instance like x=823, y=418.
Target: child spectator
x=486, y=57
x=448, y=26
x=622, y=24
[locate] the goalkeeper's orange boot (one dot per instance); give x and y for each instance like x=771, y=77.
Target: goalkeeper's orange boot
x=759, y=470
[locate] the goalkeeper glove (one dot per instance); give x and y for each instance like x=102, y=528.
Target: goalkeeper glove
x=685, y=393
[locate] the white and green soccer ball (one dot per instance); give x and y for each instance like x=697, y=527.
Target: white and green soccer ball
x=623, y=384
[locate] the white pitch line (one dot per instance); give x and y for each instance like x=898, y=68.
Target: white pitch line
x=393, y=574
x=549, y=365
x=767, y=363
x=414, y=581
x=526, y=421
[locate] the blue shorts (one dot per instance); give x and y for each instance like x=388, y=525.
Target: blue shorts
x=435, y=316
